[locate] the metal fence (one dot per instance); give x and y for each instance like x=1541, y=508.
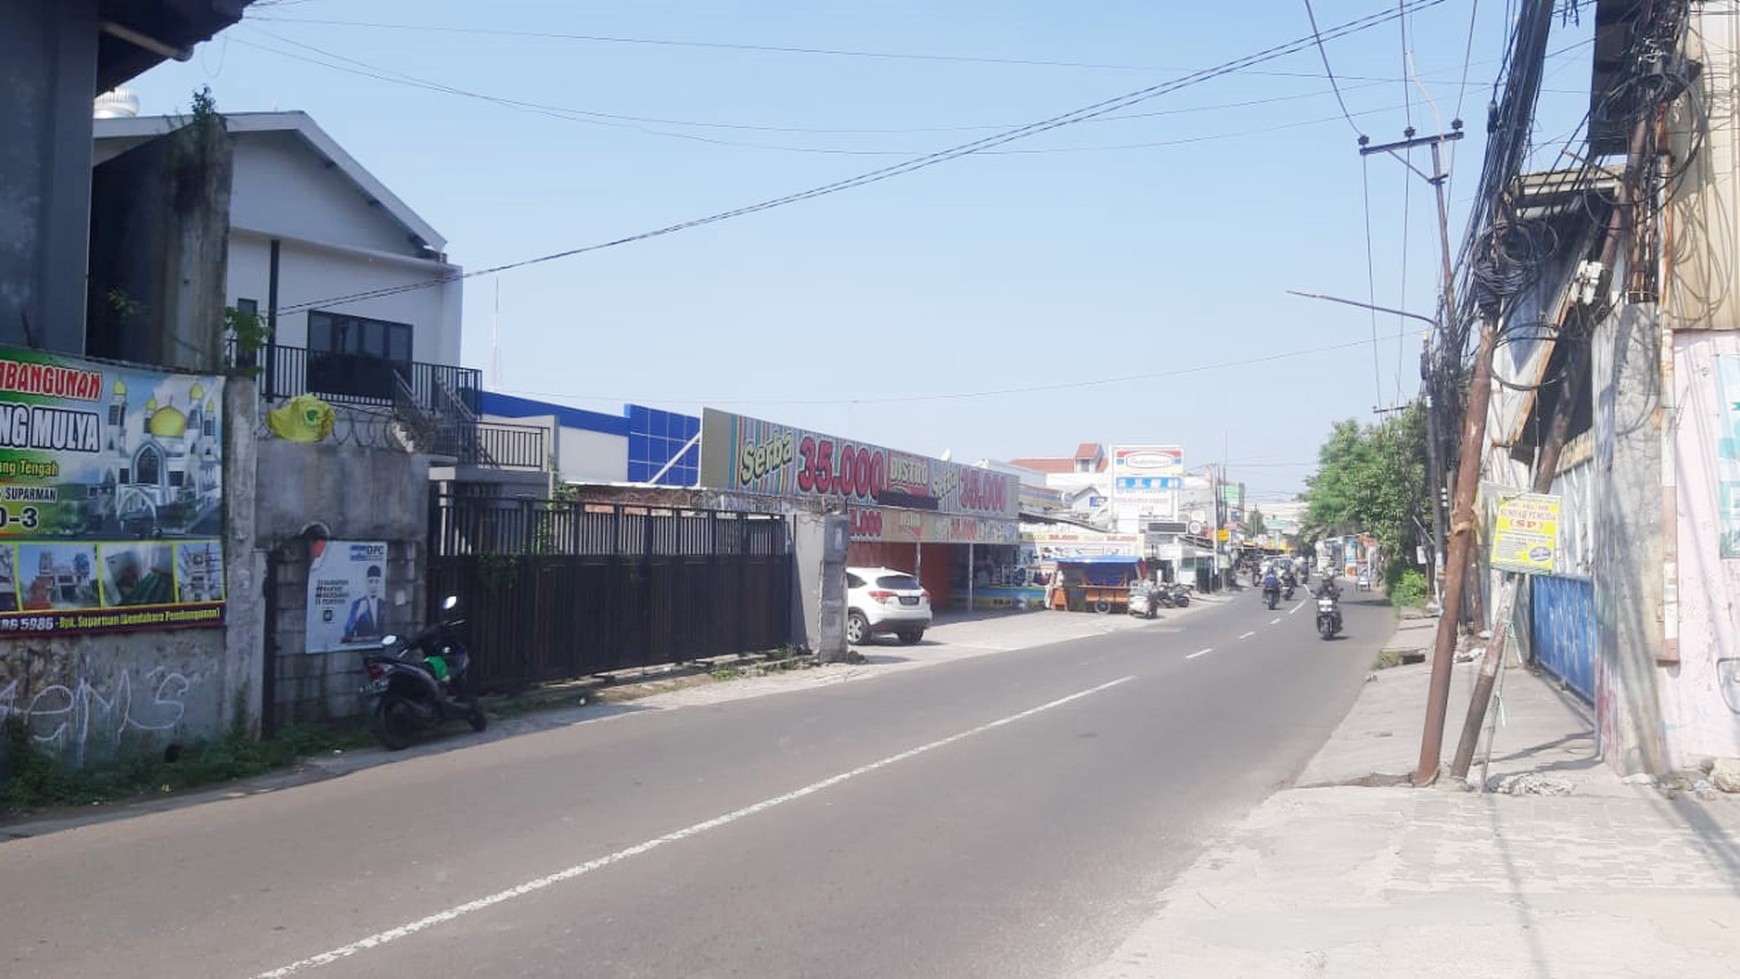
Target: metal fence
x=1562, y=630
x=497, y=445
x=554, y=590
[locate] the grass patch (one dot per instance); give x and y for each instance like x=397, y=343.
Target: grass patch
x=34, y=779
x=1387, y=658
x=727, y=673
x=1409, y=589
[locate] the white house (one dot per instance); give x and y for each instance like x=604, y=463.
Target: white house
x=310, y=226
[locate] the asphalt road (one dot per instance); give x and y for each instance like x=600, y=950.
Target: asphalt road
x=1006, y=815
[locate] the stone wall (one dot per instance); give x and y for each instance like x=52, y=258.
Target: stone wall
x=335, y=492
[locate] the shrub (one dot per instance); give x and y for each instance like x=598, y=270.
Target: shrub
x=1409, y=589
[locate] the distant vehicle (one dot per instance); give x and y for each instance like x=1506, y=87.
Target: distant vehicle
x=880, y=601
x=1363, y=582
x=1145, y=599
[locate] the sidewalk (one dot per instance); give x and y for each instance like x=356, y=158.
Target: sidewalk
x=1563, y=870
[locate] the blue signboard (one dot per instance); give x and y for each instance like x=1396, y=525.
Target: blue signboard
x=1150, y=482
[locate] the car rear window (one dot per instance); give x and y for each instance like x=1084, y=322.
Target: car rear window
x=898, y=582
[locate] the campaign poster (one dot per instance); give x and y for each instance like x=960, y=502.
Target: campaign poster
x=105, y=472
x=1525, y=534
x=347, y=594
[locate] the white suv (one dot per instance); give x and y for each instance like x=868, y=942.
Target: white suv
x=883, y=600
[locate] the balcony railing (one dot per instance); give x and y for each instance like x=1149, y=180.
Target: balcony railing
x=358, y=379
x=494, y=445
x=436, y=403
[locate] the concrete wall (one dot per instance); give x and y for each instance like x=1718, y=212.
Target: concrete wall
x=341, y=492
x=597, y=457
x=1701, y=287
x=309, y=272
x=93, y=699
x=283, y=188
x=1627, y=502
x=48, y=70
x=1700, y=695
x=159, y=222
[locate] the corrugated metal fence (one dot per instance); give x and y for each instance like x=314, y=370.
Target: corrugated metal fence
x=553, y=590
x=1562, y=630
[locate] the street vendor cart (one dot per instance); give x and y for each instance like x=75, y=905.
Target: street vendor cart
x=1100, y=583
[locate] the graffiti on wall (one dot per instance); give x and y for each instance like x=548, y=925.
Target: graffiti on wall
x=70, y=709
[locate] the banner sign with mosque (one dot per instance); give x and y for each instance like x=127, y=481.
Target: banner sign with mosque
x=111, y=497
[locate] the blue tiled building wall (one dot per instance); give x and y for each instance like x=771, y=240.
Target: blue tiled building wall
x=655, y=436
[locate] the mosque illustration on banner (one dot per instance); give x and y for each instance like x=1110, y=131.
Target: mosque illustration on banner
x=162, y=464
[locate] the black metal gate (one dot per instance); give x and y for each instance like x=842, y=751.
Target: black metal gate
x=553, y=590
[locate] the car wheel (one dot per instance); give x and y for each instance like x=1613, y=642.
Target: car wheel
x=910, y=637
x=857, y=627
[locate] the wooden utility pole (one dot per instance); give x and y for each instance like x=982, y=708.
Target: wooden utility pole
x=1547, y=462
x=1461, y=529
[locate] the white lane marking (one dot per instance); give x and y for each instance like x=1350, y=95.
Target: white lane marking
x=1247, y=635
x=532, y=886
x=1296, y=608
x=1200, y=652
x=1275, y=621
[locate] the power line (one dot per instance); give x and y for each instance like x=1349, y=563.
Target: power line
x=998, y=392
x=594, y=118
x=1072, y=117
x=1467, y=52
x=1377, y=378
x=750, y=48
x=1317, y=36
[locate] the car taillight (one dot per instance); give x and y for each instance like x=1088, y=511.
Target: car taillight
x=375, y=670
x=924, y=593
x=883, y=596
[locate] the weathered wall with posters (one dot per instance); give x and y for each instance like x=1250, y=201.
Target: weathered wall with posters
x=90, y=699
x=362, y=492
x=1701, y=693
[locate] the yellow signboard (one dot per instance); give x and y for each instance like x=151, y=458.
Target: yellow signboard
x=1525, y=535
x=1223, y=534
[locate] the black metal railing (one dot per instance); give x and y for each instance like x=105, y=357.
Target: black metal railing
x=286, y=371
x=497, y=445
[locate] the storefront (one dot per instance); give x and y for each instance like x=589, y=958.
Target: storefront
x=939, y=520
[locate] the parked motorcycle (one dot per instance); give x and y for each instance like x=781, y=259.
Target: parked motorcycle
x=406, y=694
x=1328, y=615
x=1180, y=595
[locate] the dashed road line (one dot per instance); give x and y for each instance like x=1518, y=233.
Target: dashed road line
x=1275, y=621
x=533, y=886
x=1247, y=635
x=1200, y=652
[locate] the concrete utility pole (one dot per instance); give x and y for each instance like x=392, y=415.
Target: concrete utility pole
x=1461, y=530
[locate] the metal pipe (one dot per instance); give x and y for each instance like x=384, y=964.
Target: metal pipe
x=145, y=41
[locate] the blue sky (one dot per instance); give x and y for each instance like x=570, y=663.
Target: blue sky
x=1161, y=242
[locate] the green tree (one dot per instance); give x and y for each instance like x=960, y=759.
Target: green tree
x=1257, y=525
x=1372, y=479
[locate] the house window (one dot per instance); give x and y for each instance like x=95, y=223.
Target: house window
x=358, y=335
x=177, y=477
x=356, y=357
